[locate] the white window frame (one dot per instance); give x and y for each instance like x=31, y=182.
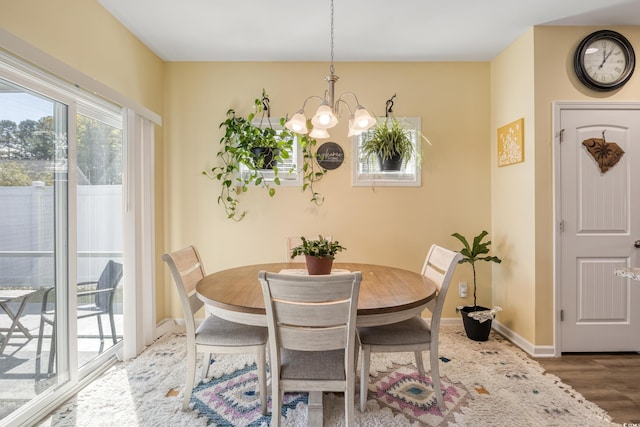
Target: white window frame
x=365, y=172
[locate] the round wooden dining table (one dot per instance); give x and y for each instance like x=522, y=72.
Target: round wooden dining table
x=387, y=294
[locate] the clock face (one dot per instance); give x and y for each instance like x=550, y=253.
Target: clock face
x=604, y=60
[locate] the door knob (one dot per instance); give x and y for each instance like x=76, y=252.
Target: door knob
x=637, y=244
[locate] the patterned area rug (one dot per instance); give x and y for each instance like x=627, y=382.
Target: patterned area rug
x=489, y=383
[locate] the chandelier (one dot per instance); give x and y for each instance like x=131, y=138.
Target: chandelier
x=328, y=112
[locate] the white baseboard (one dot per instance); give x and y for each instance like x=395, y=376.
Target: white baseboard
x=516, y=339
x=450, y=321
x=532, y=349
x=166, y=325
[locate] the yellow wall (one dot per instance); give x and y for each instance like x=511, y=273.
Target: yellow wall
x=513, y=188
x=85, y=36
x=389, y=225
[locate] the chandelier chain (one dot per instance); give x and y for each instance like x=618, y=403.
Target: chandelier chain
x=331, y=67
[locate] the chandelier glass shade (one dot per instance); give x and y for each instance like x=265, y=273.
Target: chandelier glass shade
x=328, y=112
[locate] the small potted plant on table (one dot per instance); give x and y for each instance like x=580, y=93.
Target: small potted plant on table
x=319, y=254
x=476, y=319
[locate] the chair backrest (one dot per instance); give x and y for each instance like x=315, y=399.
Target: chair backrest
x=293, y=241
x=311, y=313
x=187, y=269
x=438, y=268
x=109, y=279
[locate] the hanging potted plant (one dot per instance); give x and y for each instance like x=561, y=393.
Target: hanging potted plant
x=249, y=151
x=476, y=319
x=390, y=143
x=319, y=254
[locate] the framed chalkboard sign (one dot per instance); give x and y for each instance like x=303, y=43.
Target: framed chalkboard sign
x=330, y=155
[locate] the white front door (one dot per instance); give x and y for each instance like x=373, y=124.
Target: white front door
x=599, y=214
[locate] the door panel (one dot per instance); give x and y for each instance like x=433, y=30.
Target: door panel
x=597, y=212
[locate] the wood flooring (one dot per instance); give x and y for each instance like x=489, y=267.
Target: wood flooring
x=610, y=380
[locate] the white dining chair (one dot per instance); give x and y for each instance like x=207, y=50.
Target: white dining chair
x=213, y=335
x=415, y=334
x=312, y=336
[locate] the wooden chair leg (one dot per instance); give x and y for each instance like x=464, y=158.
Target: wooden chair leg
x=276, y=405
x=435, y=378
x=261, y=363
x=206, y=363
x=189, y=377
x=364, y=376
x=349, y=402
x=419, y=363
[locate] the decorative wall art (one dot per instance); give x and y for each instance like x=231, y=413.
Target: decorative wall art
x=330, y=155
x=606, y=154
x=511, y=143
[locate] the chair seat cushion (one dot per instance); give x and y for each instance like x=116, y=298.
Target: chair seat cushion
x=216, y=331
x=312, y=365
x=408, y=332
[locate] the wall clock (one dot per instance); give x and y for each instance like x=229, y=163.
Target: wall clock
x=604, y=60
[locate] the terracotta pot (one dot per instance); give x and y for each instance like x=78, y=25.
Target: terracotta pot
x=317, y=266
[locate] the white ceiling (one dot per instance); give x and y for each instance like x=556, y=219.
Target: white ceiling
x=365, y=30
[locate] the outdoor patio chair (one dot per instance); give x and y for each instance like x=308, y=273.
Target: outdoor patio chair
x=100, y=295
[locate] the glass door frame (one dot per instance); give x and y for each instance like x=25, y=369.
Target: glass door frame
x=138, y=252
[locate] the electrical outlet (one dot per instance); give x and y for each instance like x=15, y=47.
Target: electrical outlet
x=462, y=289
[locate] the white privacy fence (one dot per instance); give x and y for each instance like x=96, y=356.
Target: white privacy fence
x=27, y=233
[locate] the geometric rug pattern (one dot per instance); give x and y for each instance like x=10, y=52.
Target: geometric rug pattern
x=231, y=400
x=404, y=391
x=491, y=383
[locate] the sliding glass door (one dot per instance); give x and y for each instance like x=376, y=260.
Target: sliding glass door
x=33, y=240
x=61, y=241
x=99, y=232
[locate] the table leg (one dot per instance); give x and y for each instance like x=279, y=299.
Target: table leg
x=15, y=323
x=315, y=414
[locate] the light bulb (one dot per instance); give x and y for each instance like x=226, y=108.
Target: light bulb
x=325, y=119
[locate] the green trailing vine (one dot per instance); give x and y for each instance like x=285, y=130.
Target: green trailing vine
x=240, y=166
x=311, y=171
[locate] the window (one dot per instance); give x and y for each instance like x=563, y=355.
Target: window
x=367, y=170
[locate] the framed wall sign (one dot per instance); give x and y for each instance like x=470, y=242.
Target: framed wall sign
x=330, y=155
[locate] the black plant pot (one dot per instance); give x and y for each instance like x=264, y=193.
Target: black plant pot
x=476, y=330
x=392, y=164
x=263, y=157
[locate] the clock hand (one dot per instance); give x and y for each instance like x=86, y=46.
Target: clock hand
x=606, y=56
